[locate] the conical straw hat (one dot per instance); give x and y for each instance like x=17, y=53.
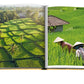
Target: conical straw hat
x=78, y=43
x=58, y=39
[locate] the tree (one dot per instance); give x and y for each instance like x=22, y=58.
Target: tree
x=13, y=48
x=28, y=13
x=41, y=20
x=35, y=16
x=8, y=15
x=21, y=38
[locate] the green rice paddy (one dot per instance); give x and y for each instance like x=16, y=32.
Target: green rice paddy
x=71, y=33
x=21, y=44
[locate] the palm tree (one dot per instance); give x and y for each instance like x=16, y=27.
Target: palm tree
x=13, y=48
x=21, y=38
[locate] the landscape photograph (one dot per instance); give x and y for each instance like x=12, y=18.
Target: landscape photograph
x=65, y=36
x=22, y=36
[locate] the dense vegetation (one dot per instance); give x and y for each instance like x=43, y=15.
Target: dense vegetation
x=71, y=33
x=10, y=13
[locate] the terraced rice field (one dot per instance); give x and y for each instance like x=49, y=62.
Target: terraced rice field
x=21, y=44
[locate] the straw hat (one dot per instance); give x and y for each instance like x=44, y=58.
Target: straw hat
x=78, y=43
x=58, y=39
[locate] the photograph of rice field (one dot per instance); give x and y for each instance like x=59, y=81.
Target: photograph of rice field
x=71, y=33
x=22, y=37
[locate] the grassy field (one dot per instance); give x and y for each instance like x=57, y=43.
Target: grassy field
x=71, y=33
x=21, y=44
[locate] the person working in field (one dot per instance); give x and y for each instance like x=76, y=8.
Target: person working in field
x=63, y=44
x=79, y=49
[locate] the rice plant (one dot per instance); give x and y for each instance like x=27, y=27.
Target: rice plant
x=71, y=33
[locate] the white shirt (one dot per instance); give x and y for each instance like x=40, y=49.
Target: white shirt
x=80, y=52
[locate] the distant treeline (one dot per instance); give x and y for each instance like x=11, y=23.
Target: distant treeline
x=35, y=16
x=8, y=15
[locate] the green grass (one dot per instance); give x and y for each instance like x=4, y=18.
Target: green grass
x=18, y=53
x=32, y=31
x=13, y=27
x=8, y=41
x=4, y=26
x=3, y=35
x=19, y=40
x=3, y=55
x=42, y=44
x=17, y=32
x=2, y=42
x=75, y=18
x=29, y=63
x=39, y=36
x=31, y=38
x=3, y=30
x=71, y=33
x=33, y=49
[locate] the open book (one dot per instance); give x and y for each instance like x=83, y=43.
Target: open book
x=34, y=36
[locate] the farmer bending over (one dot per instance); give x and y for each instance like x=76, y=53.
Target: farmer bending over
x=79, y=49
x=63, y=44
